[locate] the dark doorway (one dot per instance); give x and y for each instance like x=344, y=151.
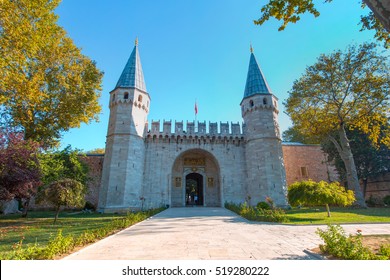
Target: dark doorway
x=194, y=189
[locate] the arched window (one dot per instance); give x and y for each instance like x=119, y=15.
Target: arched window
x=113, y=97
x=126, y=96
x=139, y=98
x=251, y=103
x=265, y=101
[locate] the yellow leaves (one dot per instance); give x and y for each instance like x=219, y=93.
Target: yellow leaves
x=48, y=85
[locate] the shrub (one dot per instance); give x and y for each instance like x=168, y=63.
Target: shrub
x=263, y=205
x=345, y=247
x=258, y=214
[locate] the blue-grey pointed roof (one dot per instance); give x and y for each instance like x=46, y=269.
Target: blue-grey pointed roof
x=255, y=81
x=132, y=75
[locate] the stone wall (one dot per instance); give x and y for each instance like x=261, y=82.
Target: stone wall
x=378, y=188
x=95, y=164
x=303, y=162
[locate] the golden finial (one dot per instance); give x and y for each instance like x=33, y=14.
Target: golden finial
x=251, y=48
x=136, y=41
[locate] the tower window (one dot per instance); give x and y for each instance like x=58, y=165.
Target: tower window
x=113, y=97
x=126, y=96
x=139, y=98
x=265, y=101
x=251, y=103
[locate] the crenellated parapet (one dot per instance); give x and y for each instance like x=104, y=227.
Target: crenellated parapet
x=213, y=129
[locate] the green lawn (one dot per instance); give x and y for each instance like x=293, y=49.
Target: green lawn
x=318, y=215
x=38, y=227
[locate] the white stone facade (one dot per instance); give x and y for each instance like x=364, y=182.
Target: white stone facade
x=146, y=166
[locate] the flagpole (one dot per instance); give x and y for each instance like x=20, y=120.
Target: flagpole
x=196, y=115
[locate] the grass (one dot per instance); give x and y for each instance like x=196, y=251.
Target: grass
x=318, y=215
x=38, y=227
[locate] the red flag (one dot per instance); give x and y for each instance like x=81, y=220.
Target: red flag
x=196, y=109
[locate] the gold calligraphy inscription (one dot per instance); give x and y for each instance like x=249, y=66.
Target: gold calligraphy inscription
x=210, y=182
x=194, y=161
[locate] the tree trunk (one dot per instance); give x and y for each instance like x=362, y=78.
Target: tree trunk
x=349, y=162
x=26, y=203
x=57, y=213
x=328, y=210
x=381, y=9
x=365, y=181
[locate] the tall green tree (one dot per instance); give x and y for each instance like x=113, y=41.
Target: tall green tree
x=63, y=164
x=344, y=89
x=289, y=11
x=370, y=160
x=47, y=86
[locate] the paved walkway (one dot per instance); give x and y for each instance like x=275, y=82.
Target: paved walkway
x=210, y=233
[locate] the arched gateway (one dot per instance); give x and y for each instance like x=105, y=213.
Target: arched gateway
x=196, y=180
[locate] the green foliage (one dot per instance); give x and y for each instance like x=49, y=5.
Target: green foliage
x=258, y=214
x=61, y=244
x=47, y=86
x=63, y=164
x=289, y=11
x=340, y=246
x=386, y=200
x=310, y=193
x=263, y=205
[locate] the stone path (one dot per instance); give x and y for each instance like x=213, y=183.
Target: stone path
x=210, y=233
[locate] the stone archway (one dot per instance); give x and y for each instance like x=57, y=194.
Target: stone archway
x=196, y=174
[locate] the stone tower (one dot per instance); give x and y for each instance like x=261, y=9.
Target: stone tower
x=123, y=166
x=265, y=173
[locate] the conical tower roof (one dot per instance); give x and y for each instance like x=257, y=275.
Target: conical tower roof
x=132, y=75
x=255, y=81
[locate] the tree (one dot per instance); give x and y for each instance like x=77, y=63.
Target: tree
x=64, y=164
x=310, y=193
x=370, y=160
x=20, y=175
x=46, y=85
x=289, y=11
x=64, y=192
x=293, y=135
x=342, y=90
x=97, y=151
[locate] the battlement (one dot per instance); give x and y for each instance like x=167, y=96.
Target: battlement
x=195, y=129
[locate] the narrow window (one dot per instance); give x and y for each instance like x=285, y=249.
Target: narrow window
x=251, y=103
x=265, y=101
x=113, y=97
x=139, y=98
x=126, y=95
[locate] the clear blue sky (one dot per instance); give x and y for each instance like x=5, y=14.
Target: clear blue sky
x=199, y=49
